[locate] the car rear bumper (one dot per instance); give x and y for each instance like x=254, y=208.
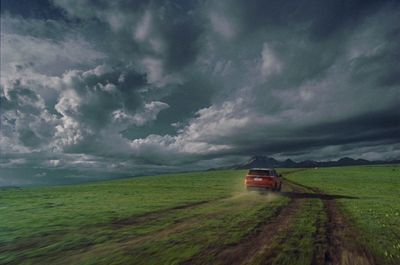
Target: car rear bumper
x=266, y=186
x=265, y=182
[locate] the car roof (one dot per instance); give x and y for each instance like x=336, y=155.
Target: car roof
x=261, y=168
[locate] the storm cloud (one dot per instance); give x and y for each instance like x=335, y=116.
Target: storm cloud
x=118, y=88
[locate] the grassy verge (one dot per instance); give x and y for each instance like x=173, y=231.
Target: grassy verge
x=376, y=211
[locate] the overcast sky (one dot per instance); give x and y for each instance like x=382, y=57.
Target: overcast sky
x=116, y=88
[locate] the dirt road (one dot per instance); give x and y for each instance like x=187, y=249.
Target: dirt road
x=336, y=240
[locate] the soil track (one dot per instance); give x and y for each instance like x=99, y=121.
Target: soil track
x=137, y=220
x=343, y=245
x=259, y=244
x=341, y=240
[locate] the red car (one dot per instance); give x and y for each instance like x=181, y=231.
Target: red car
x=266, y=178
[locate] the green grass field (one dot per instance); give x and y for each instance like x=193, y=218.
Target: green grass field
x=53, y=225
x=376, y=211
x=174, y=218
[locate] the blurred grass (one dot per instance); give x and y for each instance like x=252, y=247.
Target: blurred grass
x=95, y=223
x=136, y=220
x=41, y=211
x=376, y=211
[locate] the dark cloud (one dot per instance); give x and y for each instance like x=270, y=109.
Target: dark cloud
x=42, y=9
x=156, y=86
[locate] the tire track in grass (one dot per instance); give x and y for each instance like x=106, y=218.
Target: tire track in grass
x=335, y=240
x=343, y=244
x=344, y=247
x=262, y=245
x=148, y=217
x=255, y=243
x=23, y=246
x=295, y=244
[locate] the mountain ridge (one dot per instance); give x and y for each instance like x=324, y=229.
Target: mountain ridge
x=265, y=161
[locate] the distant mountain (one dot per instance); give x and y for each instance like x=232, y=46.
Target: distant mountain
x=260, y=161
x=264, y=161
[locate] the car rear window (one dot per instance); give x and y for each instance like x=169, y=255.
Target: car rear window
x=260, y=172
